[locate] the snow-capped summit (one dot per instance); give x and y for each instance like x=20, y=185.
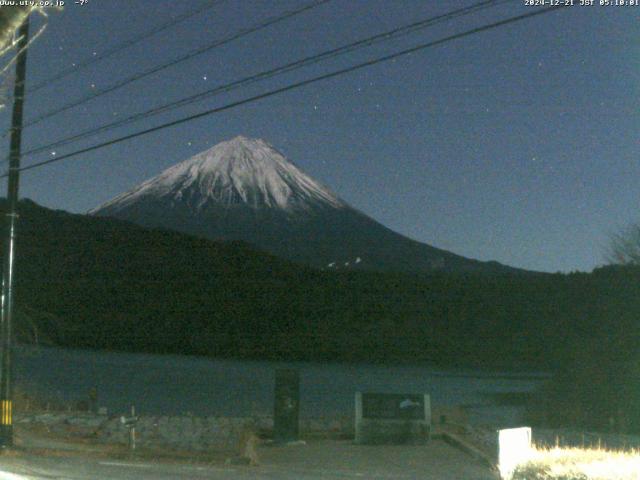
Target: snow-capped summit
x=238, y=171
x=244, y=189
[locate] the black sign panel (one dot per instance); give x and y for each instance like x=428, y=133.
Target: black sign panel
x=286, y=405
x=393, y=406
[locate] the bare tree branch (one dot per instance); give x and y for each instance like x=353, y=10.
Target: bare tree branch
x=624, y=248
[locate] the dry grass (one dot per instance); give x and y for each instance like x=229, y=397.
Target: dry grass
x=579, y=464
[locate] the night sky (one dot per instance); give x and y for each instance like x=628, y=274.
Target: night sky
x=518, y=144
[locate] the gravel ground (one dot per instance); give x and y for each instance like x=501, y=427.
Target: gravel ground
x=343, y=459
x=325, y=459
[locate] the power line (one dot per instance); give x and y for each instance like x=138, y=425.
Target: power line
x=366, y=42
x=122, y=46
x=296, y=85
x=188, y=56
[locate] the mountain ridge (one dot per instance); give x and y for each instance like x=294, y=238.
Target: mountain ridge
x=244, y=189
x=103, y=283
x=240, y=170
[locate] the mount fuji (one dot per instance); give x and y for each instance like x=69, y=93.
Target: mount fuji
x=244, y=189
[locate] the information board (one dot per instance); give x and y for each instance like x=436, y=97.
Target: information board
x=393, y=406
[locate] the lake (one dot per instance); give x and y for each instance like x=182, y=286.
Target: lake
x=176, y=385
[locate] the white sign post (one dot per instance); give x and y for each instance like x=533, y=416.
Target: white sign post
x=514, y=448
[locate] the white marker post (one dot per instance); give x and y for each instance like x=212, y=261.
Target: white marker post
x=514, y=448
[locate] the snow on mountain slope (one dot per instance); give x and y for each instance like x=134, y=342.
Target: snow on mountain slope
x=239, y=171
x=244, y=189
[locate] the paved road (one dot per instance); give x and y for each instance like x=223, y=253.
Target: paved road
x=326, y=460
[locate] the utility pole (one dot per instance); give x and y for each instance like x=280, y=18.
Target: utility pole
x=6, y=333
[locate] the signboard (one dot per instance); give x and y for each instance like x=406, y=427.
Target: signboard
x=393, y=406
x=392, y=418
x=286, y=406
